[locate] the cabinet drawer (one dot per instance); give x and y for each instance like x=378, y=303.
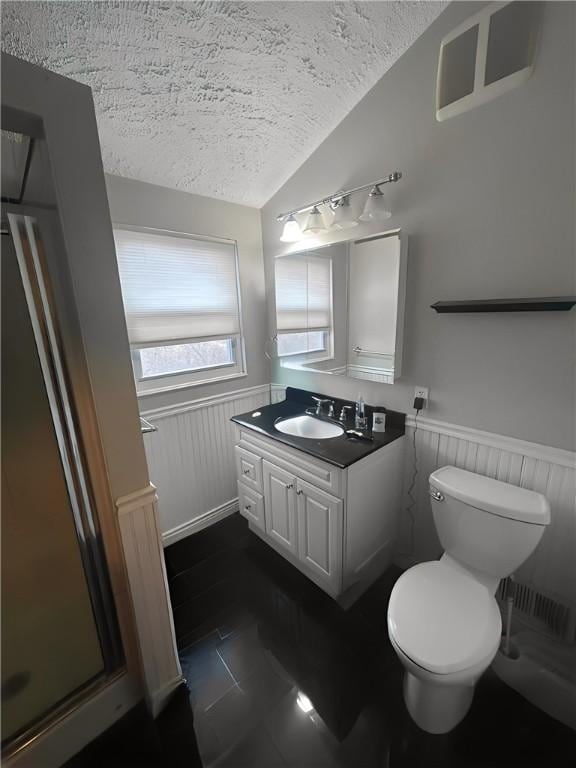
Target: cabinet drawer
x=248, y=468
x=319, y=473
x=251, y=505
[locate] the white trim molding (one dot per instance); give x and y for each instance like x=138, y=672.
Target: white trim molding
x=199, y=523
x=538, y=451
x=205, y=402
x=138, y=520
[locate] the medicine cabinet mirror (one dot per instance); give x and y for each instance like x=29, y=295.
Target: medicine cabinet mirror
x=340, y=308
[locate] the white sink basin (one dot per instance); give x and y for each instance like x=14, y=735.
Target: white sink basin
x=308, y=426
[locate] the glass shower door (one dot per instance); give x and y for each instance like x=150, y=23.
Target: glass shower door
x=58, y=632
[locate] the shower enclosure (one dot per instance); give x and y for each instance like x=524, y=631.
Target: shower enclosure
x=60, y=636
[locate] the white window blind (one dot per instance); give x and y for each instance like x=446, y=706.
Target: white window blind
x=303, y=293
x=176, y=287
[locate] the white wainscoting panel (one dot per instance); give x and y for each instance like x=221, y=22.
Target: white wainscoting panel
x=551, y=471
x=138, y=521
x=277, y=393
x=191, y=459
x=191, y=462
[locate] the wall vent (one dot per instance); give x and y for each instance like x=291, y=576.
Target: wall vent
x=486, y=56
x=556, y=617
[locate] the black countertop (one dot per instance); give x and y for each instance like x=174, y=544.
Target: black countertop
x=342, y=451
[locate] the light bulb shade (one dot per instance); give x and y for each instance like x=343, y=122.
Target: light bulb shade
x=292, y=232
x=314, y=222
x=375, y=208
x=304, y=702
x=343, y=215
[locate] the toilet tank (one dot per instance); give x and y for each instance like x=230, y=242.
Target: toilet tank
x=486, y=524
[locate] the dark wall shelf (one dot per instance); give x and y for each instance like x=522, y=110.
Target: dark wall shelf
x=542, y=304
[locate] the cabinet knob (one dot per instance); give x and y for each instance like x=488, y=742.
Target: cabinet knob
x=248, y=507
x=289, y=486
x=245, y=471
x=299, y=493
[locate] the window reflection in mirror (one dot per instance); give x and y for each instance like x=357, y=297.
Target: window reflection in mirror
x=340, y=308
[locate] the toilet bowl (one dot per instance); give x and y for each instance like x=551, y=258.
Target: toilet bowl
x=443, y=619
x=445, y=628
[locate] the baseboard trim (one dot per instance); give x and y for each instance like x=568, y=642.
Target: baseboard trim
x=159, y=699
x=199, y=523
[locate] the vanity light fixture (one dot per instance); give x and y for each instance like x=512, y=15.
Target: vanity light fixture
x=339, y=203
x=314, y=222
x=375, y=207
x=343, y=215
x=292, y=232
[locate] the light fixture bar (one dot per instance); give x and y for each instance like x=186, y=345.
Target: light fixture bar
x=396, y=176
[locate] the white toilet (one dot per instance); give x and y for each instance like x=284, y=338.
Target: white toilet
x=443, y=619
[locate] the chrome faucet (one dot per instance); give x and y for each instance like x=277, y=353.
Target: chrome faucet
x=320, y=403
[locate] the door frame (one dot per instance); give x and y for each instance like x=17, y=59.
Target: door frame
x=35, y=236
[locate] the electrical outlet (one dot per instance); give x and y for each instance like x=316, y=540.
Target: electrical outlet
x=422, y=392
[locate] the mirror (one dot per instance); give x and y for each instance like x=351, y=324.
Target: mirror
x=340, y=307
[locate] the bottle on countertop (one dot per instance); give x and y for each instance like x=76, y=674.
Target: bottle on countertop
x=360, y=420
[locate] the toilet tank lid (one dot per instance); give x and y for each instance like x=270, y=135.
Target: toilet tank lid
x=491, y=495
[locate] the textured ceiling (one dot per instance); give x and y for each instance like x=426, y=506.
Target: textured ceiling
x=224, y=99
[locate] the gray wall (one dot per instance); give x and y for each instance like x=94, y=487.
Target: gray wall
x=148, y=205
x=487, y=199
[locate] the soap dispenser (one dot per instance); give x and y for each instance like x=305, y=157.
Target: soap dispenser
x=360, y=420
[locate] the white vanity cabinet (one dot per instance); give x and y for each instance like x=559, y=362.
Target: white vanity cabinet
x=335, y=525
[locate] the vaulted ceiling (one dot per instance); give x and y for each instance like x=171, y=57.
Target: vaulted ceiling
x=224, y=99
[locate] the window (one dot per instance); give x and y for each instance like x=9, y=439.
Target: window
x=302, y=343
x=182, y=308
x=303, y=305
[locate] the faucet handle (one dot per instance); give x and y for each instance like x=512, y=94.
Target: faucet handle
x=344, y=412
x=320, y=401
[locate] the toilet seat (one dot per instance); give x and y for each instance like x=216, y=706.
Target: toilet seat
x=442, y=619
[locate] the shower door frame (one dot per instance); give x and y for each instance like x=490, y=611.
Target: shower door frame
x=50, y=300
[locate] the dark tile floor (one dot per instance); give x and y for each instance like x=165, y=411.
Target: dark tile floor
x=138, y=741
x=279, y=675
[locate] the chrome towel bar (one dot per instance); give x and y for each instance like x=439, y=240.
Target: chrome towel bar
x=361, y=351
x=146, y=427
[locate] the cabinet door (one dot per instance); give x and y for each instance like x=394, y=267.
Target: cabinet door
x=320, y=533
x=280, y=505
x=251, y=505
